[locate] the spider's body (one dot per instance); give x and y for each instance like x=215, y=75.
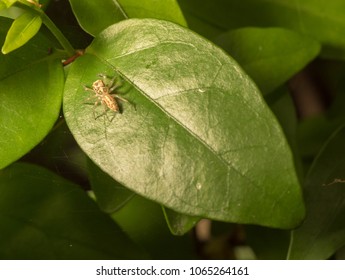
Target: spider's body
x=106, y=95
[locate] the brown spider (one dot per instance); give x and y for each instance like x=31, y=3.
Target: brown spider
x=106, y=95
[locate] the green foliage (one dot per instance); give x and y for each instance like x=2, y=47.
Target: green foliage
x=259, y=50
x=45, y=216
x=196, y=129
x=210, y=155
x=323, y=230
x=22, y=30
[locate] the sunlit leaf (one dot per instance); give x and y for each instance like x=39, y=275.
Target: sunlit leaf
x=22, y=30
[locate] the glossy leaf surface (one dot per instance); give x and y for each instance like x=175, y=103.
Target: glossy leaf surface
x=199, y=140
x=46, y=217
x=323, y=231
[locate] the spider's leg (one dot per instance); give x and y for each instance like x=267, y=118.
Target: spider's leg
x=94, y=109
x=124, y=99
x=88, y=88
x=103, y=76
x=115, y=85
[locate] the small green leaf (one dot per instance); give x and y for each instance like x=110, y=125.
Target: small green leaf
x=22, y=30
x=95, y=16
x=179, y=224
x=201, y=140
x=323, y=231
x=259, y=50
x=43, y=216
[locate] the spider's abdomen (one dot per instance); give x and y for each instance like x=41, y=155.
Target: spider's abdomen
x=110, y=102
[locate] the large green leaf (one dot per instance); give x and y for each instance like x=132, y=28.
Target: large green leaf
x=323, y=231
x=31, y=83
x=321, y=20
x=43, y=216
x=200, y=141
x=259, y=50
x=94, y=16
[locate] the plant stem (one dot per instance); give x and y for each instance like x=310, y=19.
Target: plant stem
x=51, y=26
x=58, y=34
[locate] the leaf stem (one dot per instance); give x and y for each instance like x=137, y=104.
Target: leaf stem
x=58, y=34
x=51, y=26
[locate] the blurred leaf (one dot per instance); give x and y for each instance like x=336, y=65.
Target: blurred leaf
x=201, y=140
x=167, y=10
x=321, y=20
x=8, y=3
x=110, y=195
x=144, y=222
x=2, y=5
x=268, y=243
x=22, y=30
x=283, y=107
x=314, y=132
x=29, y=107
x=60, y=153
x=323, y=231
x=259, y=50
x=179, y=224
x=45, y=217
x=95, y=16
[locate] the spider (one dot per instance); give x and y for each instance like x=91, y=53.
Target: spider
x=105, y=94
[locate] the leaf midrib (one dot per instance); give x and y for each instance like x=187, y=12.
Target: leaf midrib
x=228, y=165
